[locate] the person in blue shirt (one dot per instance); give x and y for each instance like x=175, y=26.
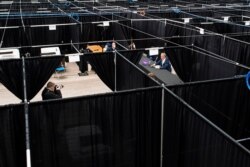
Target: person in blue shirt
x=110, y=47
x=163, y=63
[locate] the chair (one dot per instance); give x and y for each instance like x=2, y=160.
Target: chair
x=58, y=71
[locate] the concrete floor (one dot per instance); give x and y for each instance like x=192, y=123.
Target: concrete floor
x=74, y=85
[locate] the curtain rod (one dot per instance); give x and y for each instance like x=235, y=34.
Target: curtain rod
x=236, y=77
x=242, y=140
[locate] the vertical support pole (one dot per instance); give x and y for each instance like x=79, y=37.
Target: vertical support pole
x=162, y=123
x=81, y=28
x=26, y=116
x=192, y=49
x=115, y=60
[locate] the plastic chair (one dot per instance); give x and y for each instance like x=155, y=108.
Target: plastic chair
x=59, y=70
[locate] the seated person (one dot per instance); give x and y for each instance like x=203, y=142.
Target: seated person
x=52, y=91
x=132, y=46
x=163, y=63
x=110, y=47
x=113, y=46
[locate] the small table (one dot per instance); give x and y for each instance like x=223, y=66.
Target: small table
x=164, y=76
x=95, y=48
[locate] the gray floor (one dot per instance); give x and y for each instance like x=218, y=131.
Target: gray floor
x=74, y=85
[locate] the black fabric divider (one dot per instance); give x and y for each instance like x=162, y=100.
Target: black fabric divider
x=142, y=26
x=236, y=51
x=93, y=31
x=190, y=141
x=112, y=130
x=103, y=64
x=228, y=48
x=133, y=56
x=210, y=43
x=45, y=36
x=11, y=37
x=11, y=76
x=171, y=30
x=245, y=38
x=130, y=77
x=47, y=20
x=12, y=136
x=223, y=28
x=149, y=29
x=93, y=18
x=16, y=37
x=194, y=66
x=181, y=60
x=38, y=72
x=122, y=32
x=225, y=103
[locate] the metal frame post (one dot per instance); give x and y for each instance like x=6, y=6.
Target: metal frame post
x=115, y=61
x=162, y=123
x=26, y=115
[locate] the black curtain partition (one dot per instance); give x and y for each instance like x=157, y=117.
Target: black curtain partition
x=130, y=77
x=12, y=136
x=190, y=141
x=31, y=35
x=103, y=64
x=11, y=76
x=236, y=51
x=210, y=43
x=224, y=28
x=122, y=32
x=133, y=56
x=111, y=130
x=10, y=37
x=225, y=103
x=45, y=36
x=157, y=29
x=171, y=30
x=228, y=48
x=94, y=31
x=182, y=61
x=145, y=29
x=245, y=38
x=194, y=66
x=38, y=72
